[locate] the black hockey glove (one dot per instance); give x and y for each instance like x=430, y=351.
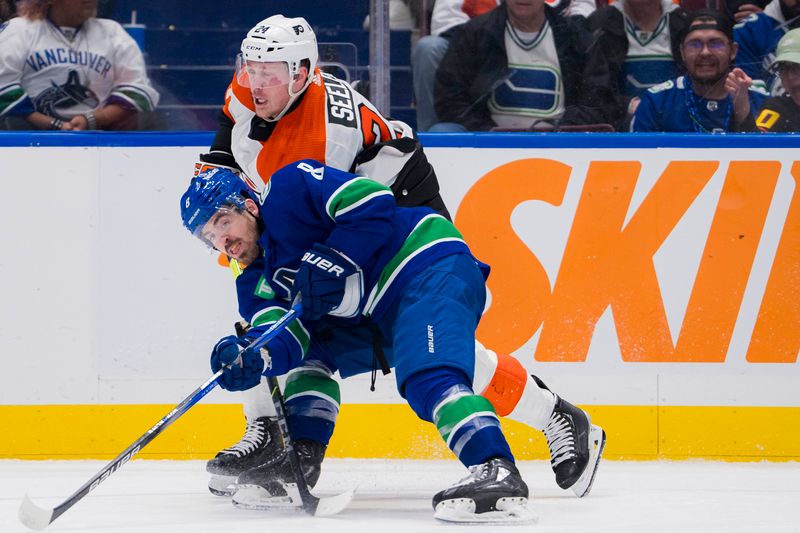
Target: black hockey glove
x=329, y=282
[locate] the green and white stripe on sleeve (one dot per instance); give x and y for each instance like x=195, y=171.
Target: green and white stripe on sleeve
x=354, y=194
x=430, y=231
x=270, y=315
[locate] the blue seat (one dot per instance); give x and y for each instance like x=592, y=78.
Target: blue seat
x=190, y=53
x=244, y=14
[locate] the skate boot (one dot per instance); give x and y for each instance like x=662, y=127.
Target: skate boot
x=576, y=446
x=261, y=444
x=492, y=492
x=274, y=485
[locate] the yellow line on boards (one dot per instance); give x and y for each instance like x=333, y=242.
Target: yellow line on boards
x=394, y=431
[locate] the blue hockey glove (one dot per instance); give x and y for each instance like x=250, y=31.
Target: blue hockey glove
x=245, y=372
x=329, y=282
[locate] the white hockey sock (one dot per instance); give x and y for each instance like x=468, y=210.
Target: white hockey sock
x=257, y=401
x=535, y=406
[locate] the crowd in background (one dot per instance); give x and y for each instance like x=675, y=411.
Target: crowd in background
x=479, y=65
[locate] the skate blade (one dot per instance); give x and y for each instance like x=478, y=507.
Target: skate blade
x=222, y=485
x=597, y=442
x=509, y=511
x=255, y=497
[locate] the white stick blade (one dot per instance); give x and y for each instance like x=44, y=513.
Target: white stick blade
x=34, y=516
x=332, y=505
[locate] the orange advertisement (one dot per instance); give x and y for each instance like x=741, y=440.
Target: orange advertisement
x=608, y=259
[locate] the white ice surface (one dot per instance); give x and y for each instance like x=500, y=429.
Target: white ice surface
x=394, y=497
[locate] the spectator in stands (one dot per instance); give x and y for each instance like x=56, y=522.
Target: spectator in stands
x=758, y=36
x=782, y=113
x=523, y=66
x=711, y=97
x=63, y=69
x=641, y=41
x=742, y=9
x=448, y=15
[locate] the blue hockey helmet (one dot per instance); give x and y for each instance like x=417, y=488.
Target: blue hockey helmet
x=210, y=191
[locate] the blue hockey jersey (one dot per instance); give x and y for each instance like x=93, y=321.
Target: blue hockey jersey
x=306, y=203
x=757, y=37
x=667, y=107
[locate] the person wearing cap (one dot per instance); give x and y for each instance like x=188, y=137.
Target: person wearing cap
x=758, y=36
x=712, y=97
x=782, y=113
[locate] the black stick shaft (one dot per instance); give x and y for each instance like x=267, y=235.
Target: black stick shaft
x=309, y=501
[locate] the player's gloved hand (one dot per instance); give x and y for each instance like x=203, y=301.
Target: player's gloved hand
x=246, y=365
x=330, y=283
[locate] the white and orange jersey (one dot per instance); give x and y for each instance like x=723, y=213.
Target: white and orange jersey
x=332, y=124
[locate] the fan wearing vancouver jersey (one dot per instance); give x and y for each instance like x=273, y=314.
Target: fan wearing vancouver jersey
x=712, y=97
x=276, y=112
x=61, y=68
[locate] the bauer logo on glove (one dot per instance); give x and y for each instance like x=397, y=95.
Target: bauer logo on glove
x=330, y=283
x=310, y=258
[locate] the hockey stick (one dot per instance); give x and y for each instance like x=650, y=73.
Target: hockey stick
x=312, y=505
x=299, y=493
x=36, y=517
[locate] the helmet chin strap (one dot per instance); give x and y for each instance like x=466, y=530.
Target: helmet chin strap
x=292, y=97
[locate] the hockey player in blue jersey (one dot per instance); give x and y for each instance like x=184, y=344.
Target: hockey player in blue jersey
x=377, y=282
x=711, y=97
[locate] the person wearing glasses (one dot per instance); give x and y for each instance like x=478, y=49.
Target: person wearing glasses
x=782, y=113
x=713, y=96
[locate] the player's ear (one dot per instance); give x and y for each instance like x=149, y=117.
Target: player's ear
x=734, y=50
x=300, y=78
x=251, y=207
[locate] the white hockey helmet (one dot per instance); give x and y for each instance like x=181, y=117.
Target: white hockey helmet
x=281, y=39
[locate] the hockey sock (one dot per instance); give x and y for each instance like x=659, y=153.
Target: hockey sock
x=312, y=403
x=467, y=422
x=515, y=394
x=257, y=402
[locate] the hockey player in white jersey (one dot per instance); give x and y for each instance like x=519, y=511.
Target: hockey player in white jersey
x=280, y=108
x=63, y=69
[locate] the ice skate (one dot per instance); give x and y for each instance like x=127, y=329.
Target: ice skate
x=274, y=485
x=262, y=444
x=492, y=492
x=576, y=446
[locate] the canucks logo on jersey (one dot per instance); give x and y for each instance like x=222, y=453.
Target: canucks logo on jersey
x=649, y=59
x=64, y=97
x=530, y=91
